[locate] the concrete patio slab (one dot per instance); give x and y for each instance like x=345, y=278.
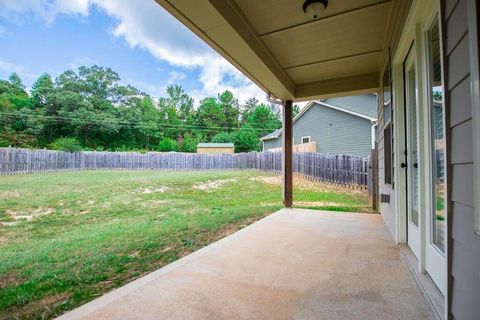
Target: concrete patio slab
x=293, y=264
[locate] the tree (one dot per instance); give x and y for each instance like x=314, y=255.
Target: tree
x=16, y=81
x=224, y=137
x=263, y=119
x=246, y=140
x=230, y=109
x=210, y=116
x=91, y=105
x=248, y=107
x=295, y=110
x=190, y=142
x=41, y=88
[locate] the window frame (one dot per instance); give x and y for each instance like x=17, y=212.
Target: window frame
x=301, y=139
x=388, y=155
x=388, y=125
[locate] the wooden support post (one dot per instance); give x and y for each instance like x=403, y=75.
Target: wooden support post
x=287, y=177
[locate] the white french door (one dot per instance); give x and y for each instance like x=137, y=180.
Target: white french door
x=419, y=75
x=411, y=157
x=435, y=231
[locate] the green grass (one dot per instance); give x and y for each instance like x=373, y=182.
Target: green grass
x=103, y=230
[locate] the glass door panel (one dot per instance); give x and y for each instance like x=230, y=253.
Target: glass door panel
x=411, y=125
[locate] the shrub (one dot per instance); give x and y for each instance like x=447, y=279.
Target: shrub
x=67, y=144
x=224, y=137
x=167, y=144
x=190, y=143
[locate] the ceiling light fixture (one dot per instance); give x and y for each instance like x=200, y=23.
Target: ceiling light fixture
x=315, y=8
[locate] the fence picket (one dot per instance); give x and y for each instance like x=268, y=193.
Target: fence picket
x=345, y=170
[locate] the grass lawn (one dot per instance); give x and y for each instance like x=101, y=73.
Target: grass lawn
x=66, y=238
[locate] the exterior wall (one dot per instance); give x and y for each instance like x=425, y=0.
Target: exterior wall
x=333, y=131
x=304, y=147
x=387, y=209
x=272, y=144
x=364, y=104
x=465, y=245
x=215, y=150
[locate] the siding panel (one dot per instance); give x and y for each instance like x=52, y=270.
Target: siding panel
x=465, y=250
x=462, y=184
x=449, y=6
x=461, y=99
x=334, y=131
x=462, y=142
x=459, y=66
x=466, y=273
x=456, y=29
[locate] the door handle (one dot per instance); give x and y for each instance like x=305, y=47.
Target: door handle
x=403, y=165
x=415, y=165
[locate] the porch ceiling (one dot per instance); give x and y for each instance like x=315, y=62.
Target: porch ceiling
x=287, y=54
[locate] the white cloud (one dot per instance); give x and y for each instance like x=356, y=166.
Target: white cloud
x=9, y=68
x=14, y=10
x=3, y=31
x=175, y=76
x=144, y=24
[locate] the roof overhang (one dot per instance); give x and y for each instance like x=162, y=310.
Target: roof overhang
x=287, y=54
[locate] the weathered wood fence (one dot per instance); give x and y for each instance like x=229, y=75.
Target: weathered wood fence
x=339, y=169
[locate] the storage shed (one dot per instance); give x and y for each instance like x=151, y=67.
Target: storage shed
x=215, y=148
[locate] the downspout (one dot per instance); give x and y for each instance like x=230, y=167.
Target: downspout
x=374, y=125
x=273, y=99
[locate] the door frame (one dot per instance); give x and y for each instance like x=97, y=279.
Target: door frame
x=413, y=241
x=421, y=15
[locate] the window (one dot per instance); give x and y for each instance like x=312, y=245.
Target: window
x=437, y=134
x=306, y=139
x=387, y=93
x=388, y=133
x=387, y=149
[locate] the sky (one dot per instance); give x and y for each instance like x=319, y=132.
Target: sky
x=138, y=39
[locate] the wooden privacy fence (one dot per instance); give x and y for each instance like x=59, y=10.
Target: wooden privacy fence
x=345, y=170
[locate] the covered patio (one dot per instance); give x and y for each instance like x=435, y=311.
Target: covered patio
x=293, y=264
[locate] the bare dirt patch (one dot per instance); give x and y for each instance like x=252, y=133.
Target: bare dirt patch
x=317, y=204
x=302, y=183
x=212, y=185
x=43, y=307
x=149, y=190
x=9, y=223
x=8, y=279
x=9, y=194
x=29, y=214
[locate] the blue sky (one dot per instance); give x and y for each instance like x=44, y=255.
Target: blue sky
x=138, y=39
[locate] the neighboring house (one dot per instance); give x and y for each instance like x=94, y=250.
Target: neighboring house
x=215, y=148
x=345, y=125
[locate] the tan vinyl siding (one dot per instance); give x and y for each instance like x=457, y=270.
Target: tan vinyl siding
x=465, y=249
x=215, y=150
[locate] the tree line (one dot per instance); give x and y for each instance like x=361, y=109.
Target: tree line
x=90, y=109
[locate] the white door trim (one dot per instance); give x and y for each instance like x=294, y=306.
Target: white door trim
x=419, y=19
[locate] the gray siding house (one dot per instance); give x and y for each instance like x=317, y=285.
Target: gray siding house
x=343, y=125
